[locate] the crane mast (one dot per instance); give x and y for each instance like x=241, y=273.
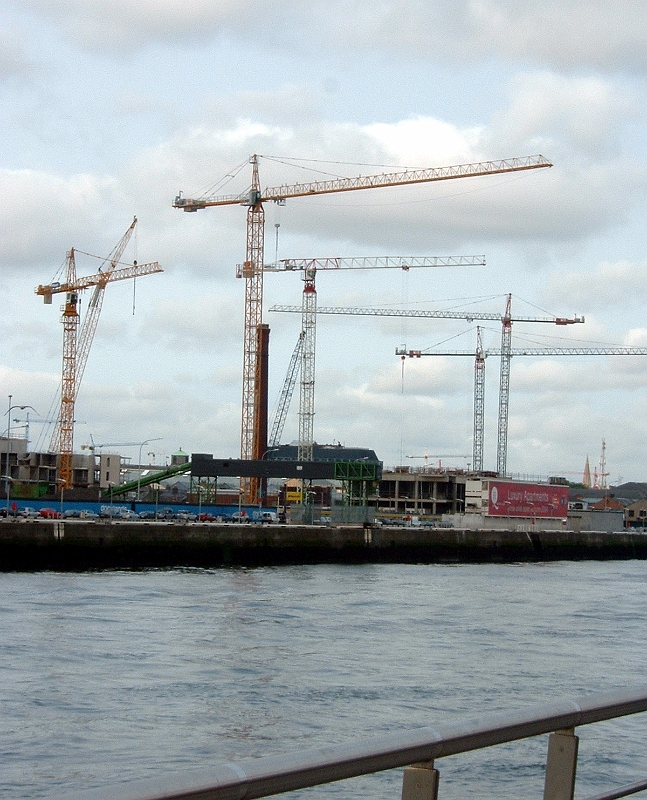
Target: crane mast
x=70, y=321
x=479, y=404
x=307, y=394
x=504, y=390
x=251, y=446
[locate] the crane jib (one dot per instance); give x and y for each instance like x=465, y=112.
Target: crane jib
x=403, y=178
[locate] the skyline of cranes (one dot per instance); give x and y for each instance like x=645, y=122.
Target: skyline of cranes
x=252, y=426
x=75, y=351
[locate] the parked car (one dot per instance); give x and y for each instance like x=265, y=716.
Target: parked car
x=185, y=516
x=240, y=516
x=28, y=512
x=206, y=517
x=49, y=513
x=13, y=512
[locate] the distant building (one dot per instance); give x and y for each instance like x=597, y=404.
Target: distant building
x=109, y=470
x=34, y=474
x=179, y=458
x=636, y=514
x=404, y=492
x=608, y=503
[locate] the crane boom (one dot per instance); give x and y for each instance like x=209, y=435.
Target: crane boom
x=86, y=334
x=89, y=326
x=421, y=314
x=92, y=280
x=402, y=178
x=532, y=351
x=286, y=395
x=253, y=267
x=389, y=262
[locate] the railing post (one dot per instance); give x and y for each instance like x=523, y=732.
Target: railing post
x=561, y=764
x=420, y=782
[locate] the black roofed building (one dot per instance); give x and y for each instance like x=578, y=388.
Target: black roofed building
x=323, y=452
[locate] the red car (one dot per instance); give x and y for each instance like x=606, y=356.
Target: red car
x=49, y=513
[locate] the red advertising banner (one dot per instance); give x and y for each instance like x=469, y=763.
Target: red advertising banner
x=527, y=500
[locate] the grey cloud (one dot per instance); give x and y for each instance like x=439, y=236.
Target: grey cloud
x=605, y=34
x=14, y=61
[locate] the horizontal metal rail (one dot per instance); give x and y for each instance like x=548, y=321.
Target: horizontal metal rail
x=623, y=791
x=261, y=777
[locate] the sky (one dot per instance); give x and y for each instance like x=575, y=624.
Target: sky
x=112, y=108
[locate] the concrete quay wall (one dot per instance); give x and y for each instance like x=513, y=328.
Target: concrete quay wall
x=28, y=545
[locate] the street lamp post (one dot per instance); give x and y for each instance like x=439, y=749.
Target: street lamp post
x=61, y=482
x=139, y=462
x=8, y=470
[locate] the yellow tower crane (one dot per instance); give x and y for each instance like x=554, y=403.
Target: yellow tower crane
x=77, y=347
x=251, y=427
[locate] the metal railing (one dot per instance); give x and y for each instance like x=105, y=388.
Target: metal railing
x=415, y=750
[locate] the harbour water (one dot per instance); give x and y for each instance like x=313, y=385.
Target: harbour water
x=113, y=676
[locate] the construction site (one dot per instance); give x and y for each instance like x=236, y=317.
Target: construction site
x=305, y=481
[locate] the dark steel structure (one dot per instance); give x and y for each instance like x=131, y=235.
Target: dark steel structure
x=204, y=465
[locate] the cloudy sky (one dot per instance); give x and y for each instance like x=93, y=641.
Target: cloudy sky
x=111, y=108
